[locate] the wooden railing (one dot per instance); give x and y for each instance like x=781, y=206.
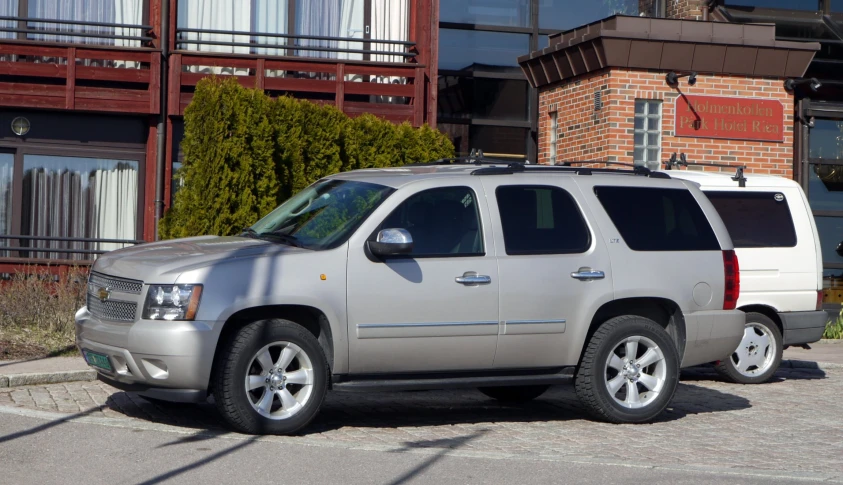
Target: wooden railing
x=300, y=76
x=93, y=78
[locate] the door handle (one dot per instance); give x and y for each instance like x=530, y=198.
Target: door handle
x=588, y=274
x=470, y=278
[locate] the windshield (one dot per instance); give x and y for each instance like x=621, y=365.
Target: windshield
x=322, y=216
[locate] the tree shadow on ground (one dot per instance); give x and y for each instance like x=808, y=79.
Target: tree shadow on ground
x=426, y=409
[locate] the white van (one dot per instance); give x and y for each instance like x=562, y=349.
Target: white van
x=778, y=250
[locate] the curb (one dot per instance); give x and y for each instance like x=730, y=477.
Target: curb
x=16, y=380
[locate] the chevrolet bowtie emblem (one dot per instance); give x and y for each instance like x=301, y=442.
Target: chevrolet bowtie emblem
x=103, y=294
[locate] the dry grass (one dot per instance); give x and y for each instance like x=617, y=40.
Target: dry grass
x=36, y=313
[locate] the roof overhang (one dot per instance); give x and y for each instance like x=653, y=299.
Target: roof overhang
x=669, y=45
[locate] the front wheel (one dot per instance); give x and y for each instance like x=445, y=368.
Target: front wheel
x=271, y=379
x=629, y=371
x=759, y=354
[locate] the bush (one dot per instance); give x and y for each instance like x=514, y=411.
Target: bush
x=37, y=311
x=229, y=174
x=245, y=153
x=834, y=329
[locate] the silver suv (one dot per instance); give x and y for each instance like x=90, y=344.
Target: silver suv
x=508, y=278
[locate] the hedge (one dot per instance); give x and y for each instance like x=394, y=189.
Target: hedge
x=245, y=153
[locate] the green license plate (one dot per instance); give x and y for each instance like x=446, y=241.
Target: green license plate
x=97, y=360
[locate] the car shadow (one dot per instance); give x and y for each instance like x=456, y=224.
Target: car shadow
x=798, y=370
x=425, y=409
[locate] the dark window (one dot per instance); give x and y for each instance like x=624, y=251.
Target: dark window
x=541, y=220
x=783, y=4
x=468, y=98
x=508, y=13
x=470, y=49
x=443, y=222
x=755, y=219
x=658, y=219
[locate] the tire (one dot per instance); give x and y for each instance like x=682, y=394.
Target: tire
x=514, y=393
x=759, y=354
x=613, y=391
x=275, y=404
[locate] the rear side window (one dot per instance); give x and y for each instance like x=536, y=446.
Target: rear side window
x=755, y=219
x=541, y=219
x=658, y=219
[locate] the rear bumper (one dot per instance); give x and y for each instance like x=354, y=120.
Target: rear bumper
x=712, y=335
x=803, y=327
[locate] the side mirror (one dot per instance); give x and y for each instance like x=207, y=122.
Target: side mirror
x=392, y=242
x=840, y=249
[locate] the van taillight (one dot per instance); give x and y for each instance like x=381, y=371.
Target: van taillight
x=732, y=288
x=819, y=299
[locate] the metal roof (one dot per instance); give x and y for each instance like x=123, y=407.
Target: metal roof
x=669, y=45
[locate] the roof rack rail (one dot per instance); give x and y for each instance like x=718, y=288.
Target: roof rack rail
x=683, y=162
x=522, y=168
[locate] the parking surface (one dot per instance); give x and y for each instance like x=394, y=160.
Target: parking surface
x=790, y=427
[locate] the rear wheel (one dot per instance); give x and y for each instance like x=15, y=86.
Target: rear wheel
x=629, y=371
x=514, y=393
x=271, y=379
x=759, y=354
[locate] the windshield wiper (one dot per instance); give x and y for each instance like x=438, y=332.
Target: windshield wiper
x=284, y=238
x=249, y=232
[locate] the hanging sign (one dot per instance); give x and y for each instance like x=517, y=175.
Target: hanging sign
x=729, y=118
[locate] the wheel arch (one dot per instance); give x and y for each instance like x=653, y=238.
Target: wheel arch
x=767, y=311
x=663, y=311
x=312, y=319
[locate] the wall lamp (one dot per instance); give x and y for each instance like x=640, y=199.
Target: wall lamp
x=790, y=84
x=672, y=78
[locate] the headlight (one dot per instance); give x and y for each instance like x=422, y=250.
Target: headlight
x=172, y=302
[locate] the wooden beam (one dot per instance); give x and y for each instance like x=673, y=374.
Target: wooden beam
x=418, y=98
x=381, y=89
x=260, y=74
x=339, y=95
x=173, y=101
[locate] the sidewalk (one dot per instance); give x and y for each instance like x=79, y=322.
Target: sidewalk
x=825, y=354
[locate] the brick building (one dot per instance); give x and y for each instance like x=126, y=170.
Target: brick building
x=754, y=83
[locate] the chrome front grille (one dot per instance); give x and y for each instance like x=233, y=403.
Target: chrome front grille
x=97, y=280
x=123, y=311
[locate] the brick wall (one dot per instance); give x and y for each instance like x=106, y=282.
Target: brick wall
x=684, y=9
x=607, y=135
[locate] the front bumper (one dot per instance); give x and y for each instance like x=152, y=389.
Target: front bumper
x=803, y=327
x=155, y=358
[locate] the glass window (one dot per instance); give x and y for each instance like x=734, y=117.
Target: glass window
x=99, y=11
x=8, y=8
x=783, y=4
x=836, y=5
x=79, y=198
x=467, y=49
x=672, y=221
x=7, y=161
x=647, y=133
x=499, y=140
x=443, y=222
x=324, y=215
x=569, y=14
x=825, y=187
x=827, y=139
x=541, y=220
x=755, y=219
x=509, y=13
x=831, y=235
x=467, y=98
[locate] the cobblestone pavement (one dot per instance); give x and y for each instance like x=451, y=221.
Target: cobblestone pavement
x=789, y=425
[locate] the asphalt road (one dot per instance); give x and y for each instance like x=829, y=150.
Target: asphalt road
x=787, y=431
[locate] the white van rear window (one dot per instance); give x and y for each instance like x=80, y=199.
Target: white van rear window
x=755, y=219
